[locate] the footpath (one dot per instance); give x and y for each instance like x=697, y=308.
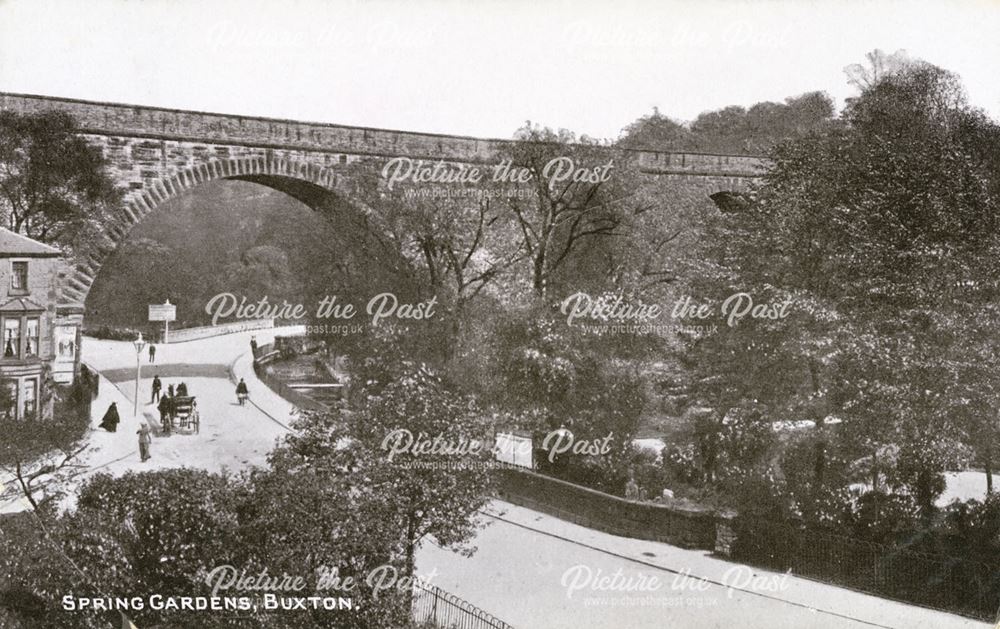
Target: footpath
x=681, y=565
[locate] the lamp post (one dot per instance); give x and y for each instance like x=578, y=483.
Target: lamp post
x=139, y=344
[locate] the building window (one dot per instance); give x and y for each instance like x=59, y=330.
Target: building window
x=30, y=397
x=11, y=338
x=31, y=343
x=19, y=276
x=8, y=400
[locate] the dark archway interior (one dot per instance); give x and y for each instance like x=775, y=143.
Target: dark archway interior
x=251, y=236
x=730, y=202
x=307, y=193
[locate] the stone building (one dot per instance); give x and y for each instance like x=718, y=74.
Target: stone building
x=40, y=341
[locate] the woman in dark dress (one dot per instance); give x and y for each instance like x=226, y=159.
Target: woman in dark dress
x=110, y=420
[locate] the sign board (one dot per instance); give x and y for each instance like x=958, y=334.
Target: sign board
x=162, y=312
x=514, y=449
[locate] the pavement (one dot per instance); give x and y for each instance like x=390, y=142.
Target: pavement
x=541, y=572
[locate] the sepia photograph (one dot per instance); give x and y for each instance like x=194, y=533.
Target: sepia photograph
x=499, y=314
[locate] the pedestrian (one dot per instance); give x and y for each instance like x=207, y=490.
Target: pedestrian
x=110, y=420
x=145, y=439
x=242, y=393
x=166, y=408
x=253, y=346
x=170, y=390
x=157, y=385
x=182, y=390
x=152, y=353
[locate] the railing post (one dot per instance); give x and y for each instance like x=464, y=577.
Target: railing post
x=434, y=611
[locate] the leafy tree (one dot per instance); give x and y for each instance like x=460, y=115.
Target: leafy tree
x=658, y=132
x=559, y=217
x=883, y=234
x=175, y=525
x=764, y=126
x=461, y=240
x=544, y=371
x=263, y=270
x=164, y=532
x=53, y=184
x=320, y=523
x=153, y=532
x=735, y=129
x=418, y=494
x=38, y=452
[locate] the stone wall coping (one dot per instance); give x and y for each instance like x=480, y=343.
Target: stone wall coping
x=682, y=510
x=10, y=100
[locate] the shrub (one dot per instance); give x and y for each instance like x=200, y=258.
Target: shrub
x=882, y=517
x=112, y=333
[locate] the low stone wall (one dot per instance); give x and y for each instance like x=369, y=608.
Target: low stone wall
x=267, y=353
x=206, y=331
x=611, y=514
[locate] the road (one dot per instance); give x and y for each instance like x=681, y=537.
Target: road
x=519, y=572
x=526, y=561
x=232, y=438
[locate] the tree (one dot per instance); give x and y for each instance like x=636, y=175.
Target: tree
x=880, y=66
x=461, y=240
x=39, y=452
x=264, y=271
x=656, y=132
x=734, y=129
x=418, y=494
x=322, y=522
x=884, y=232
x=772, y=365
x=155, y=532
x=53, y=185
x=763, y=126
x=168, y=531
x=560, y=216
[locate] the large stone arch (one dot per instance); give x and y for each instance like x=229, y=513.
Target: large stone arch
x=316, y=186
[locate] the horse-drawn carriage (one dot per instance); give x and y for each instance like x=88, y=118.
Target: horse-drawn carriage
x=184, y=413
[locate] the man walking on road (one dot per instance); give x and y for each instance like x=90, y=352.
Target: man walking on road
x=157, y=385
x=144, y=441
x=152, y=353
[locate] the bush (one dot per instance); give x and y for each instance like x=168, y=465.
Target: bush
x=681, y=464
x=111, y=333
x=882, y=517
x=757, y=494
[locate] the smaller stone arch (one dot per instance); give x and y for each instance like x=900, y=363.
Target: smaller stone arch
x=730, y=202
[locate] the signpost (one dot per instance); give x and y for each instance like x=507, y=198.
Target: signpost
x=166, y=313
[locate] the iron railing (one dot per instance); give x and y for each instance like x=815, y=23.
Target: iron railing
x=433, y=606
x=955, y=584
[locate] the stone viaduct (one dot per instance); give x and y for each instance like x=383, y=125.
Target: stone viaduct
x=155, y=154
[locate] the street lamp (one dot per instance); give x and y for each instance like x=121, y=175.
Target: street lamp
x=139, y=344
